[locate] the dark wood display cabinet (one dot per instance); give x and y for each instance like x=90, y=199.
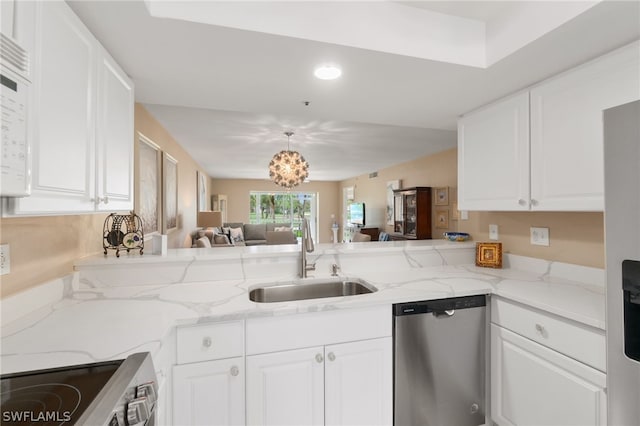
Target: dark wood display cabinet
x=412, y=213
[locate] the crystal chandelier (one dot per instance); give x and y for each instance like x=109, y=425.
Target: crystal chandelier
x=288, y=168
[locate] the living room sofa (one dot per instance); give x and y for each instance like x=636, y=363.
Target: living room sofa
x=252, y=234
x=255, y=234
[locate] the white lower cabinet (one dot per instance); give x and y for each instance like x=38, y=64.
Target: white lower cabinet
x=209, y=393
x=342, y=384
x=359, y=383
x=286, y=388
x=208, y=382
x=318, y=368
x=545, y=370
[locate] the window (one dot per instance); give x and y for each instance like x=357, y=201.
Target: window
x=284, y=207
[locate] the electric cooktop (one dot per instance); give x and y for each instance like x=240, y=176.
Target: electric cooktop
x=55, y=396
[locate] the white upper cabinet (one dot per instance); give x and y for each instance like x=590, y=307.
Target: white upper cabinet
x=114, y=136
x=81, y=118
x=567, y=163
x=543, y=149
x=493, y=156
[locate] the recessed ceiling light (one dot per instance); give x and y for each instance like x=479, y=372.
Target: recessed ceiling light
x=327, y=72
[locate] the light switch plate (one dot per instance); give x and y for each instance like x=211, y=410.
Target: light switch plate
x=5, y=259
x=493, y=232
x=539, y=236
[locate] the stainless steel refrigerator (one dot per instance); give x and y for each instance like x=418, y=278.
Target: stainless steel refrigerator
x=622, y=237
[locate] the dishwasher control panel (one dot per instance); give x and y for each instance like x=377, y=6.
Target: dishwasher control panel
x=439, y=305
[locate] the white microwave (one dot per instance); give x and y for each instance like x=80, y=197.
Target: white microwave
x=15, y=153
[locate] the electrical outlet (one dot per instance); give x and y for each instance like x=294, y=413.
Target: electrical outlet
x=540, y=236
x=5, y=259
x=493, y=232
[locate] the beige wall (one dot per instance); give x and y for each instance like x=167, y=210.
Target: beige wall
x=187, y=182
x=237, y=192
x=44, y=248
x=574, y=237
x=438, y=170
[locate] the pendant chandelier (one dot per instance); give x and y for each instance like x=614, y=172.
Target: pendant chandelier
x=288, y=168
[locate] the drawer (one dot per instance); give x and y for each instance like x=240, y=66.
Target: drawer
x=580, y=342
x=317, y=329
x=205, y=342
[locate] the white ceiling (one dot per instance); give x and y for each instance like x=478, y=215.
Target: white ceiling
x=479, y=10
x=227, y=94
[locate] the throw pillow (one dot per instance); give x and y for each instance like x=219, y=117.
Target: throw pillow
x=203, y=243
x=282, y=229
x=220, y=239
x=254, y=231
x=236, y=235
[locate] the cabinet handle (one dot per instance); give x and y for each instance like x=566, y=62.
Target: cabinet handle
x=331, y=356
x=534, y=202
x=522, y=202
x=234, y=371
x=319, y=358
x=206, y=342
x=540, y=329
x=99, y=200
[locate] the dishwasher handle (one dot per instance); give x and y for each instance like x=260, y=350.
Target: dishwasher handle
x=444, y=314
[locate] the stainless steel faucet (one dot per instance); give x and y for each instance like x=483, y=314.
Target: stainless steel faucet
x=307, y=247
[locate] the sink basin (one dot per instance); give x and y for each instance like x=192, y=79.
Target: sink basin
x=311, y=289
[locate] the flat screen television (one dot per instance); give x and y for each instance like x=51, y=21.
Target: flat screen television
x=357, y=214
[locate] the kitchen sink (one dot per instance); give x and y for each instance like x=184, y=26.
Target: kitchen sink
x=311, y=289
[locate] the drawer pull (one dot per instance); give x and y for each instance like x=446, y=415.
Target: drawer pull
x=319, y=358
x=234, y=371
x=206, y=342
x=540, y=329
x=331, y=356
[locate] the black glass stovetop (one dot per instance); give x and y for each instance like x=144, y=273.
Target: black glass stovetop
x=55, y=396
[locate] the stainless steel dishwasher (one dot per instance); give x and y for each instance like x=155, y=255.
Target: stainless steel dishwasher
x=439, y=362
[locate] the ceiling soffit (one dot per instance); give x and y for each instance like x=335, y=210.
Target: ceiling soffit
x=389, y=27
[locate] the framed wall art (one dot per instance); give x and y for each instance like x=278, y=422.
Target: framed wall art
x=149, y=186
x=170, y=193
x=441, y=196
x=391, y=185
x=489, y=255
x=201, y=189
x=442, y=218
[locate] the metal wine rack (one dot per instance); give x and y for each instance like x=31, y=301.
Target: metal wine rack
x=122, y=232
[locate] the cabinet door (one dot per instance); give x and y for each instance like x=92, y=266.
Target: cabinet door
x=209, y=393
x=114, y=136
x=567, y=166
x=162, y=405
x=358, y=383
x=536, y=386
x=493, y=156
x=286, y=388
x=62, y=125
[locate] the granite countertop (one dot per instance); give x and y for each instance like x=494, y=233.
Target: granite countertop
x=94, y=324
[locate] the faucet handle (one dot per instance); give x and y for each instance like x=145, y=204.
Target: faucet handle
x=334, y=270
